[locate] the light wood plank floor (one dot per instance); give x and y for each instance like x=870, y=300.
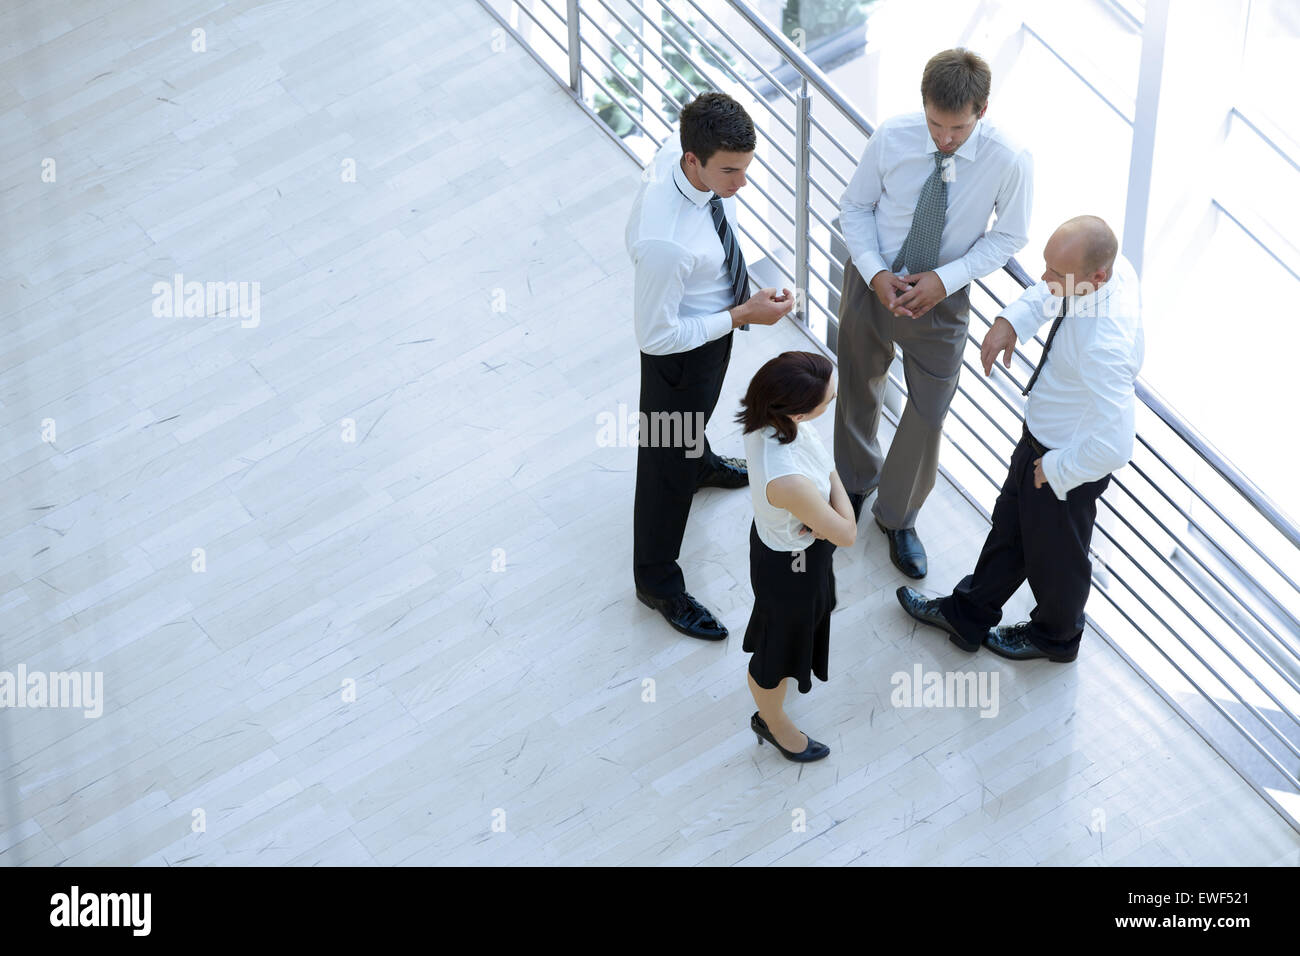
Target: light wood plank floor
x=464, y=560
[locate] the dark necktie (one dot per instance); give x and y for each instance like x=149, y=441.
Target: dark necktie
x=731, y=250
x=1047, y=347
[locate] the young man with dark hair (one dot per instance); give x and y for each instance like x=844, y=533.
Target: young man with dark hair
x=1079, y=427
x=915, y=218
x=691, y=290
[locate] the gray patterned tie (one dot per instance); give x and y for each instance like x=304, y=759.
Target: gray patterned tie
x=920, y=252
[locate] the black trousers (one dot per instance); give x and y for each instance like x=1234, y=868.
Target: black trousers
x=668, y=474
x=1038, y=537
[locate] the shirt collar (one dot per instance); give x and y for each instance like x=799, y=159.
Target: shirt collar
x=966, y=150
x=699, y=197
x=1093, y=303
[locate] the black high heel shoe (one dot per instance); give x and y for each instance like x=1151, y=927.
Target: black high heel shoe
x=814, y=750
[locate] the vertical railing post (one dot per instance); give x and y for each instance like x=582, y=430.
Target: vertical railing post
x=801, y=172
x=575, y=51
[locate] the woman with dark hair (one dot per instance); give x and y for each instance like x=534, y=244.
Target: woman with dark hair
x=801, y=514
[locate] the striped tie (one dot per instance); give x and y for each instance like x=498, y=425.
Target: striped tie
x=1047, y=346
x=920, y=251
x=731, y=250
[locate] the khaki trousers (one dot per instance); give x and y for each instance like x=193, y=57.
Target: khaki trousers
x=932, y=350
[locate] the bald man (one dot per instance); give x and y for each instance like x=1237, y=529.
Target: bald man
x=1079, y=427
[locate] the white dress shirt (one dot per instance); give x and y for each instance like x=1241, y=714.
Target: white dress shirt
x=1082, y=406
x=767, y=459
x=682, y=289
x=989, y=174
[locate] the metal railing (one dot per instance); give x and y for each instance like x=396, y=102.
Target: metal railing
x=1195, y=567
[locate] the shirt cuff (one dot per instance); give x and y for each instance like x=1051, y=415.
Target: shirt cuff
x=717, y=325
x=1051, y=471
x=869, y=265
x=1023, y=319
x=954, y=275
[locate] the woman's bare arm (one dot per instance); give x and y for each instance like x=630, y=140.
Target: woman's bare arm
x=799, y=496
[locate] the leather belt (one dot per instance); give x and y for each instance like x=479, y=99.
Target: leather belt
x=1037, y=445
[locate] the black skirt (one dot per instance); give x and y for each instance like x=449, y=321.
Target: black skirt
x=789, y=629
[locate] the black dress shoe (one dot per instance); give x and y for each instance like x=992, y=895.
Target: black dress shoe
x=814, y=750
x=1013, y=643
x=926, y=610
x=729, y=473
x=905, y=550
x=856, y=500
x=687, y=615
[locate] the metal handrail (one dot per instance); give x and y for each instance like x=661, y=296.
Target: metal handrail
x=686, y=85
x=1073, y=69
x=804, y=66
x=815, y=79
x=1250, y=234
x=1225, y=469
x=1268, y=139
x=811, y=79
x=1229, y=472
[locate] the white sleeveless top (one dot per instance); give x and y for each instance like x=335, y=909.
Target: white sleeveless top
x=767, y=458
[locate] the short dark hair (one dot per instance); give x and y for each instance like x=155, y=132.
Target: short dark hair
x=956, y=80
x=790, y=384
x=713, y=122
